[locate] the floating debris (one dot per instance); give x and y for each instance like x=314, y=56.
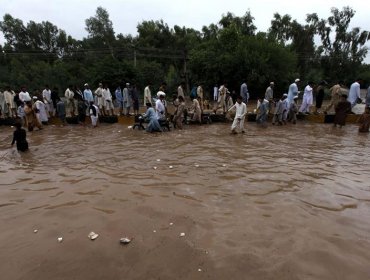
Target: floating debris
x=60, y=239
x=170, y=167
x=35, y=231
x=125, y=240
x=129, y=127
x=182, y=234
x=171, y=224
x=119, y=130
x=224, y=165
x=92, y=235
x=158, y=160
x=155, y=167
x=196, y=165
x=154, y=231
x=199, y=269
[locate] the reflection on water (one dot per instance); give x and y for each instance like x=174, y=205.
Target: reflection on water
x=287, y=202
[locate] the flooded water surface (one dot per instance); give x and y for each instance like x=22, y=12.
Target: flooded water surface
x=279, y=203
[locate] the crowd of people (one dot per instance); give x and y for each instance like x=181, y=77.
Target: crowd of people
x=35, y=111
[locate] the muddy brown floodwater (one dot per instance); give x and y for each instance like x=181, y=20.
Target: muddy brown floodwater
x=279, y=203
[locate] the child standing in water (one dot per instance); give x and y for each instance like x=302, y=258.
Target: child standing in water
x=364, y=121
x=241, y=111
x=19, y=136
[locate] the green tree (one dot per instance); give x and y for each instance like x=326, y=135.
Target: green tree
x=100, y=30
x=342, y=50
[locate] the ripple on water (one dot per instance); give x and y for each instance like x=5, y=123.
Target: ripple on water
x=278, y=193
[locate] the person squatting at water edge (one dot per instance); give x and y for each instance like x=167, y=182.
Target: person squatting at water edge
x=152, y=117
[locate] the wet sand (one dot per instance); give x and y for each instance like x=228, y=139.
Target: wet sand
x=279, y=203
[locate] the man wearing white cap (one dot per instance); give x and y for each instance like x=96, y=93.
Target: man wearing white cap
x=88, y=97
x=293, y=90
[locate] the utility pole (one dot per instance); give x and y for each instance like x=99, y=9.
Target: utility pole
x=186, y=71
x=134, y=57
x=134, y=47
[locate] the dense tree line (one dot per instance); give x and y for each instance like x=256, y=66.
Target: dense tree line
x=230, y=50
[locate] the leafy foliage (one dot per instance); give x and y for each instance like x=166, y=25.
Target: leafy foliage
x=230, y=51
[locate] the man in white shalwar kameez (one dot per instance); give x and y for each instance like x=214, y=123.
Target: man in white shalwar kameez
x=94, y=114
x=269, y=95
x=46, y=95
x=215, y=93
x=108, y=103
x=307, y=99
x=147, y=95
x=200, y=95
x=69, y=94
x=286, y=106
x=24, y=96
x=3, y=106
x=126, y=99
x=279, y=108
x=241, y=111
x=293, y=90
x=160, y=106
x=9, y=100
x=180, y=90
x=354, y=93
x=221, y=99
x=244, y=92
x=99, y=98
x=41, y=114
x=197, y=117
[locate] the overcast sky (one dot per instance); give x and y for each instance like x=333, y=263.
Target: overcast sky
x=125, y=14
